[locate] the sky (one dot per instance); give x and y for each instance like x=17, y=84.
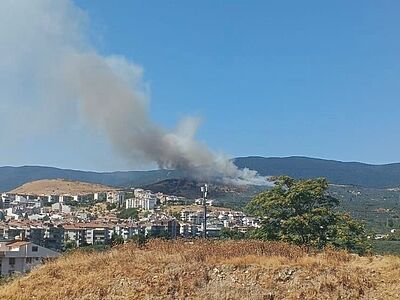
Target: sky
x=268, y=78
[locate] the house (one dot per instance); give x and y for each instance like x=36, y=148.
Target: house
x=63, y=208
x=21, y=256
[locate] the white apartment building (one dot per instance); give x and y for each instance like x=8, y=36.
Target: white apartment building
x=116, y=197
x=21, y=199
x=87, y=233
x=98, y=234
x=147, y=203
x=21, y=256
x=6, y=199
x=99, y=196
x=63, y=208
x=139, y=193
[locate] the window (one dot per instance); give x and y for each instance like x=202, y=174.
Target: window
x=29, y=260
x=35, y=248
x=11, y=261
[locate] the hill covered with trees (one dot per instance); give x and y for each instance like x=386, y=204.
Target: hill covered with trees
x=349, y=173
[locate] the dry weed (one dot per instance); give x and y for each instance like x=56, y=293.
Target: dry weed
x=210, y=270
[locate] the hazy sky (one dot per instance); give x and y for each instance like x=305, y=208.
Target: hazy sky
x=270, y=78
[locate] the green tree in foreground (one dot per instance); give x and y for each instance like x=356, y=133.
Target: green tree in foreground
x=116, y=239
x=229, y=234
x=303, y=213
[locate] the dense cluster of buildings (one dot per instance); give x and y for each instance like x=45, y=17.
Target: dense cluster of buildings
x=53, y=223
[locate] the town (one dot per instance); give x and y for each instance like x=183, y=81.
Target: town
x=59, y=222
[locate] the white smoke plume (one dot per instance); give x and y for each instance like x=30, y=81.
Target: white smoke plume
x=45, y=43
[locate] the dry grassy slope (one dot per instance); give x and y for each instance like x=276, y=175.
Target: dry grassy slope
x=210, y=270
x=59, y=186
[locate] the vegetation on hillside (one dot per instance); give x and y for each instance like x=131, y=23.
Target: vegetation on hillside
x=350, y=173
x=303, y=213
x=209, y=270
x=130, y=213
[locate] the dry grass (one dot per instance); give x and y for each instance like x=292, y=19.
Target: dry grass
x=59, y=187
x=210, y=270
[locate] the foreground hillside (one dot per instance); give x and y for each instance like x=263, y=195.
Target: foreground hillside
x=59, y=187
x=210, y=270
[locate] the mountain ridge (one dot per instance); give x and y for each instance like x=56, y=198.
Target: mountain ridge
x=337, y=172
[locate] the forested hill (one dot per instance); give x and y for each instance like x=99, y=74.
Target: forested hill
x=350, y=173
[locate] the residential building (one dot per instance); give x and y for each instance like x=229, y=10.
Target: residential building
x=116, y=197
x=99, y=196
x=21, y=256
x=146, y=203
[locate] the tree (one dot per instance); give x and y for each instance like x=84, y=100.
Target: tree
x=111, y=206
x=70, y=245
x=303, y=213
x=229, y=234
x=116, y=239
x=131, y=213
x=139, y=239
x=161, y=234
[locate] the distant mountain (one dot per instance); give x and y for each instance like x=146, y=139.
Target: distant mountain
x=350, y=173
x=12, y=177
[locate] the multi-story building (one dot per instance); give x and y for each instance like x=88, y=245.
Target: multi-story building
x=97, y=234
x=163, y=226
x=193, y=217
x=100, y=196
x=75, y=234
x=116, y=197
x=87, y=233
x=146, y=203
x=6, y=199
x=54, y=237
x=128, y=230
x=21, y=256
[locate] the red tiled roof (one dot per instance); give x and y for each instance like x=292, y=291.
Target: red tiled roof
x=17, y=243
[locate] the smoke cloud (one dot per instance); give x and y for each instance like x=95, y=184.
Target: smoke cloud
x=46, y=44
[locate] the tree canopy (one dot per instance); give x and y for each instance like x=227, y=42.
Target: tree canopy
x=303, y=212
x=131, y=213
